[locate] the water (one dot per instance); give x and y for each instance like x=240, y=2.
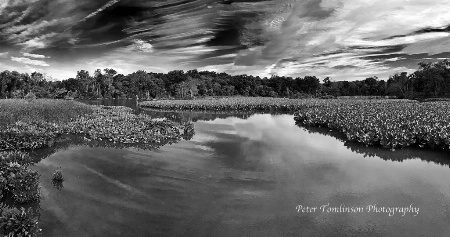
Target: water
x=245, y=175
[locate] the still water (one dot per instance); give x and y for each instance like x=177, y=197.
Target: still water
x=245, y=175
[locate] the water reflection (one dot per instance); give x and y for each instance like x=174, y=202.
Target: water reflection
x=193, y=116
x=66, y=141
x=399, y=155
x=240, y=177
x=57, y=184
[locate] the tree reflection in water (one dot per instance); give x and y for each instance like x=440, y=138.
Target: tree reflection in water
x=399, y=155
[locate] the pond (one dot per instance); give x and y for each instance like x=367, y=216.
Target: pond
x=245, y=175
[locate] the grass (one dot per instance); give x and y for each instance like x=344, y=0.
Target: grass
x=35, y=123
x=41, y=110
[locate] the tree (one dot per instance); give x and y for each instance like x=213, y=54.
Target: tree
x=108, y=81
x=85, y=81
x=98, y=82
x=327, y=82
x=5, y=81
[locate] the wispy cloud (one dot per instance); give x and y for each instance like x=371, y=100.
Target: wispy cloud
x=2, y=6
x=110, y=3
x=38, y=42
x=30, y=55
x=431, y=47
x=30, y=61
x=4, y=54
x=360, y=24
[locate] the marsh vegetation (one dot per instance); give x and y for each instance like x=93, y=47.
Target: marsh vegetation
x=29, y=124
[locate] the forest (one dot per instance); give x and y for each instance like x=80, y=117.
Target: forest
x=430, y=80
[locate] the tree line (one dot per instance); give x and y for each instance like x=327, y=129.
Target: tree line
x=430, y=80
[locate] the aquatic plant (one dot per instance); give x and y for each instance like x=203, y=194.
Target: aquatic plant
x=28, y=135
x=119, y=125
x=387, y=123
x=439, y=157
x=114, y=124
x=18, y=222
x=17, y=178
x=228, y=104
x=25, y=125
x=23, y=185
x=57, y=175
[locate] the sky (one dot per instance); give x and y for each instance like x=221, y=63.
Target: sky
x=341, y=39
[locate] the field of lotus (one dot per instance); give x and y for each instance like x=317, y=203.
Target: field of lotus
x=387, y=123
x=228, y=104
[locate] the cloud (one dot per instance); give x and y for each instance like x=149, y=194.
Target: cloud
x=141, y=45
x=28, y=61
x=21, y=33
x=110, y=3
x=32, y=69
x=4, y=55
x=430, y=47
x=394, y=59
x=360, y=24
x=38, y=42
x=34, y=55
x=339, y=38
x=3, y=5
